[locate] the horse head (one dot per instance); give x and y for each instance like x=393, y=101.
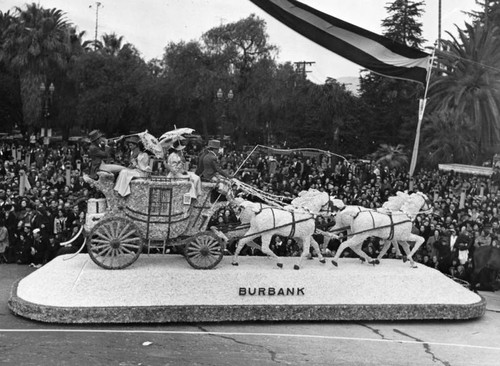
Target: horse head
x=332, y=206
x=426, y=205
x=246, y=209
x=417, y=203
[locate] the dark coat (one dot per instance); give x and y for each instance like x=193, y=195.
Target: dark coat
x=208, y=166
x=96, y=156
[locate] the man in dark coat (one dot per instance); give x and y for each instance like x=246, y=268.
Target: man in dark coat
x=99, y=155
x=208, y=167
x=96, y=152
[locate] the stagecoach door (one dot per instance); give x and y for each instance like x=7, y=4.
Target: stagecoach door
x=160, y=208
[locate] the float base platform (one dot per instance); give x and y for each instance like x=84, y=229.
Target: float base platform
x=164, y=288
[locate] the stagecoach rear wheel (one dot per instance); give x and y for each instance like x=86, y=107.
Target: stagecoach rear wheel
x=114, y=243
x=204, y=251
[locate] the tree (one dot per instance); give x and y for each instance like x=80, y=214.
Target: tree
x=241, y=44
x=10, y=102
x=110, y=88
x=32, y=44
x=391, y=156
x=469, y=83
x=402, y=24
x=448, y=138
x=394, y=103
x=489, y=15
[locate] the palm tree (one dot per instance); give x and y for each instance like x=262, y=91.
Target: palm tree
x=447, y=138
x=112, y=44
x=469, y=83
x=32, y=45
x=391, y=156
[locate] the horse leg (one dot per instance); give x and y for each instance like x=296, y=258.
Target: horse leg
x=385, y=248
x=241, y=244
x=398, y=251
x=362, y=255
x=418, y=242
x=343, y=246
x=350, y=243
x=266, y=240
x=406, y=249
x=316, y=248
x=306, y=245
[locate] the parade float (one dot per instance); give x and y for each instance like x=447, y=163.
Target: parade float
x=78, y=288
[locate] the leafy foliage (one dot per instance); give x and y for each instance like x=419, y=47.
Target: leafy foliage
x=391, y=156
x=394, y=103
x=448, y=138
x=469, y=82
x=34, y=41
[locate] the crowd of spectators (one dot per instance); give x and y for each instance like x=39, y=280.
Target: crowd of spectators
x=51, y=207
x=466, y=210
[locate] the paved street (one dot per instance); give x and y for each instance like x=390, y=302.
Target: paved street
x=24, y=342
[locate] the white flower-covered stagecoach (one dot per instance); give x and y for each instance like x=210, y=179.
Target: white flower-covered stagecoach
x=160, y=211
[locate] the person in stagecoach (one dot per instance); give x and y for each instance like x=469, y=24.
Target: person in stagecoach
x=209, y=170
x=100, y=153
x=208, y=163
x=176, y=166
x=138, y=166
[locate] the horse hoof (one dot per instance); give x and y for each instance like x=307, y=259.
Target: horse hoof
x=280, y=265
x=414, y=265
x=373, y=262
x=405, y=259
x=322, y=261
x=376, y=261
x=296, y=267
x=335, y=263
x=362, y=260
x=235, y=263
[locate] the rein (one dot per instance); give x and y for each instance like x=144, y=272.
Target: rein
x=380, y=227
x=276, y=227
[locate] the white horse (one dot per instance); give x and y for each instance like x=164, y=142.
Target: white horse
x=296, y=221
x=389, y=226
x=343, y=222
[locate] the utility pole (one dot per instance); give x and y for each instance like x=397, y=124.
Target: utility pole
x=439, y=25
x=300, y=67
x=97, y=6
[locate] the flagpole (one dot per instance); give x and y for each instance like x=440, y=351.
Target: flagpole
x=421, y=110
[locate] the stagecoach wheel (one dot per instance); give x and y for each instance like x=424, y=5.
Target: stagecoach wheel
x=204, y=251
x=114, y=243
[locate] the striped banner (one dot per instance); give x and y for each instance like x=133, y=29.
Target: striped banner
x=367, y=49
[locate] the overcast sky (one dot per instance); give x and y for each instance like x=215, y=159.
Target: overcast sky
x=151, y=24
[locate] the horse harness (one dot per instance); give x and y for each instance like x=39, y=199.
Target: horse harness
x=293, y=224
x=390, y=226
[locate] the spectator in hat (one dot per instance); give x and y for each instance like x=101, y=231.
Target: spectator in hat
x=176, y=166
x=138, y=166
x=462, y=245
x=208, y=163
x=38, y=249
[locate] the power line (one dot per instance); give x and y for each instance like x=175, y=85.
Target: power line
x=471, y=61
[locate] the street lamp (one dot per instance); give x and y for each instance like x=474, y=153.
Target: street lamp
x=223, y=99
x=47, y=94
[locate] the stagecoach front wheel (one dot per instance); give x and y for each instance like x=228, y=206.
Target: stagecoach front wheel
x=204, y=251
x=114, y=243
